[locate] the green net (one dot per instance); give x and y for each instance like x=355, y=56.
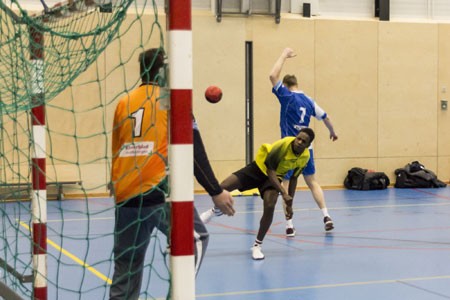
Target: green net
x=90, y=60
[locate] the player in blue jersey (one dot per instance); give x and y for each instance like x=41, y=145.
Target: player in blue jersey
x=295, y=113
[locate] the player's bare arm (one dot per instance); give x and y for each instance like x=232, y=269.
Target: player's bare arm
x=329, y=125
x=276, y=69
x=272, y=174
x=288, y=207
x=292, y=185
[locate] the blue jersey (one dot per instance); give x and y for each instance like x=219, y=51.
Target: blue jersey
x=296, y=110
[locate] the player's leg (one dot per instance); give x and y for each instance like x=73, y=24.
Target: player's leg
x=270, y=197
x=243, y=179
x=231, y=183
x=201, y=239
x=290, y=229
x=131, y=240
x=316, y=190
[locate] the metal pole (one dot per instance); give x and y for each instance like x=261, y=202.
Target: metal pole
x=181, y=154
x=249, y=101
x=39, y=185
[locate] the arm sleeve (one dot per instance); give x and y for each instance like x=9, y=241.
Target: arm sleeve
x=283, y=93
x=319, y=113
x=202, y=168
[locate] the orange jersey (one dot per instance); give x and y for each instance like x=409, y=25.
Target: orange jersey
x=139, y=143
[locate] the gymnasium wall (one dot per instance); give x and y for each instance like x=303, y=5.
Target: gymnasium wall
x=380, y=82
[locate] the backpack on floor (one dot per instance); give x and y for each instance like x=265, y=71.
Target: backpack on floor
x=364, y=180
x=415, y=175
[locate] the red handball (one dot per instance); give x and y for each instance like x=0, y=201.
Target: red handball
x=213, y=94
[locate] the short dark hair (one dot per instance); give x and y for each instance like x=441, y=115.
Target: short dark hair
x=290, y=80
x=309, y=132
x=150, y=62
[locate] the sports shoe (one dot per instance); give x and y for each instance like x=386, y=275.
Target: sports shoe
x=217, y=211
x=328, y=223
x=257, y=253
x=290, y=231
x=209, y=214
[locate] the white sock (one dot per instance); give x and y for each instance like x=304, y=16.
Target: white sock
x=325, y=212
x=257, y=243
x=289, y=223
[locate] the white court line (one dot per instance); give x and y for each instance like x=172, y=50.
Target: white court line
x=356, y=207
x=321, y=286
x=279, y=210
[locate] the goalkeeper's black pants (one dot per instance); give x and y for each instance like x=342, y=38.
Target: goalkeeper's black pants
x=133, y=231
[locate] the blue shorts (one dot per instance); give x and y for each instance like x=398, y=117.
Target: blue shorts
x=310, y=168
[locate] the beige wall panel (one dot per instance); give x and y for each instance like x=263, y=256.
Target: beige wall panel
x=126, y=50
x=76, y=120
x=380, y=82
x=94, y=103
x=218, y=59
x=444, y=90
x=15, y=145
x=94, y=177
x=223, y=169
x=269, y=40
x=346, y=87
x=331, y=172
x=443, y=168
x=407, y=89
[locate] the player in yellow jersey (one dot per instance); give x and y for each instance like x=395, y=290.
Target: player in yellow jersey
x=139, y=179
x=266, y=172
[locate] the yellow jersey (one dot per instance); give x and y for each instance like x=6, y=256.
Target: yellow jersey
x=280, y=157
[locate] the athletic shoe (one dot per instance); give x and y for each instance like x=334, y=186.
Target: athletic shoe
x=257, y=253
x=328, y=223
x=290, y=231
x=217, y=212
x=209, y=214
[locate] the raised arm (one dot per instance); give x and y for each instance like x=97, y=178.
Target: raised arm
x=276, y=69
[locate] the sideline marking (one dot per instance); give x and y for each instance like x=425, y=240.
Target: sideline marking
x=73, y=257
x=320, y=286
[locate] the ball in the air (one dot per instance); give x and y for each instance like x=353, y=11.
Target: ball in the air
x=213, y=94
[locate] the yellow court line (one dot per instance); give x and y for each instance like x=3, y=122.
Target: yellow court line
x=73, y=257
x=320, y=286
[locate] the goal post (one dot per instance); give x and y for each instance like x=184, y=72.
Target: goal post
x=181, y=149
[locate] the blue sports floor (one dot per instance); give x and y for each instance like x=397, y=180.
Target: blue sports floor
x=387, y=245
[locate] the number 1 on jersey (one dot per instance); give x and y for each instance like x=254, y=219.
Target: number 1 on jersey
x=137, y=118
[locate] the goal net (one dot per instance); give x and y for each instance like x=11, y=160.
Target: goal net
x=68, y=63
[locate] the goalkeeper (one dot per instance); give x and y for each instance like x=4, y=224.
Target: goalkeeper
x=139, y=179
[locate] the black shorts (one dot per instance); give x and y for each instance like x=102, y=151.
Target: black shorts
x=252, y=177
